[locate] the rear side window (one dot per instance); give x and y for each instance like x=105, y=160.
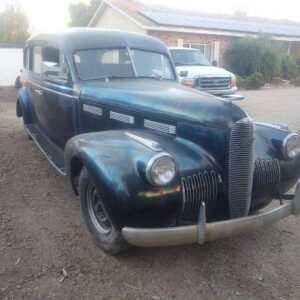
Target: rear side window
x=37, y=59
x=54, y=66
x=26, y=58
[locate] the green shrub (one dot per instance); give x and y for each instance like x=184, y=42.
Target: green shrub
x=296, y=81
x=241, y=82
x=289, y=67
x=248, y=56
x=254, y=81
x=277, y=80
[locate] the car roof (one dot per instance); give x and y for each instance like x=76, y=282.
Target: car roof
x=90, y=38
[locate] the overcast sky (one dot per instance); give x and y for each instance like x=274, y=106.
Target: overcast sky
x=49, y=15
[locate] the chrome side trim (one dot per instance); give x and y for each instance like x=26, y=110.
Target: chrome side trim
x=52, y=91
x=160, y=126
x=92, y=109
x=121, y=117
x=47, y=156
x=272, y=125
x=146, y=142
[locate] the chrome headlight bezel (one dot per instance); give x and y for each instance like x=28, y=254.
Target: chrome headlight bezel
x=285, y=144
x=153, y=162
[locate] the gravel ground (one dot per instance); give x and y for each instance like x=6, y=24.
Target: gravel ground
x=46, y=252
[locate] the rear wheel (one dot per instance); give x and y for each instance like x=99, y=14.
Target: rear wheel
x=105, y=235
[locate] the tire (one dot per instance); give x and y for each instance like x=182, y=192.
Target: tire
x=104, y=233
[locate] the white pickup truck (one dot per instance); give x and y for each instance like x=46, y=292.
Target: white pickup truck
x=195, y=71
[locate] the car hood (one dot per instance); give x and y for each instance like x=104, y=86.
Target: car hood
x=194, y=71
x=164, y=99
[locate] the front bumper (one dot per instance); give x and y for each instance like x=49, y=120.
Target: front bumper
x=158, y=237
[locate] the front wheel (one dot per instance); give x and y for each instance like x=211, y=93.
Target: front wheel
x=105, y=235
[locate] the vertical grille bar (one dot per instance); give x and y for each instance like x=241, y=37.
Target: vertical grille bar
x=266, y=175
x=197, y=188
x=241, y=165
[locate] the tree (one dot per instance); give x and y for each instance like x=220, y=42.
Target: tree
x=81, y=14
x=13, y=26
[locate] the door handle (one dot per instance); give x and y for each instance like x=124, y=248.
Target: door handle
x=40, y=92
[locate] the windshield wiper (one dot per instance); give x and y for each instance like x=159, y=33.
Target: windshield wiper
x=154, y=77
x=108, y=77
x=201, y=65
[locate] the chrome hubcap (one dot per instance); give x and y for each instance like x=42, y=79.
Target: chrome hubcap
x=96, y=211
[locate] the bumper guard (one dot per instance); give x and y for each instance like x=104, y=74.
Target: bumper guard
x=202, y=232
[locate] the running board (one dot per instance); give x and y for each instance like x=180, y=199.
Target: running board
x=54, y=154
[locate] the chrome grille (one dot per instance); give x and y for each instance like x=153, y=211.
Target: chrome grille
x=266, y=175
x=213, y=83
x=241, y=165
x=197, y=188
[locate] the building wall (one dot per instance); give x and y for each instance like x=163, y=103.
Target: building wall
x=112, y=19
x=11, y=61
x=177, y=39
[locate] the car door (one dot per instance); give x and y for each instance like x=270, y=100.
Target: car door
x=58, y=99
x=34, y=84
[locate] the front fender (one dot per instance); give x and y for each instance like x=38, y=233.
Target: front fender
x=118, y=163
x=24, y=106
x=268, y=142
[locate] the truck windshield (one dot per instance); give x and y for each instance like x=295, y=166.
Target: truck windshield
x=189, y=57
x=119, y=63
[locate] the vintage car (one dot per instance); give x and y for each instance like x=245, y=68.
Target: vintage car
x=154, y=163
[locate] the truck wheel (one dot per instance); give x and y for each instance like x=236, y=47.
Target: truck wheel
x=105, y=235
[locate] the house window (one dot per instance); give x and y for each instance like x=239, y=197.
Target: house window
x=206, y=49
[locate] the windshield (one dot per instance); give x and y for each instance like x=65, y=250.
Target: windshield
x=194, y=57
x=119, y=63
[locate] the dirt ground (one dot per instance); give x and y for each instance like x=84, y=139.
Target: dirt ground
x=42, y=234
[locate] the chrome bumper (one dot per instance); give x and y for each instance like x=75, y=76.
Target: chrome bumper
x=158, y=237
x=218, y=92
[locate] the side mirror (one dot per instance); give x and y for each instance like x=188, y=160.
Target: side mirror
x=215, y=63
x=183, y=73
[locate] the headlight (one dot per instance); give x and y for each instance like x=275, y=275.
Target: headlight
x=291, y=146
x=189, y=82
x=233, y=81
x=161, y=169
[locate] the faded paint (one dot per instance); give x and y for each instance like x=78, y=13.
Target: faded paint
x=11, y=61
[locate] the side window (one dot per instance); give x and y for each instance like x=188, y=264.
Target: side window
x=26, y=58
x=54, y=66
x=36, y=66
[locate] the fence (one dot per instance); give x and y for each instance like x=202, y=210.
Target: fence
x=11, y=61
